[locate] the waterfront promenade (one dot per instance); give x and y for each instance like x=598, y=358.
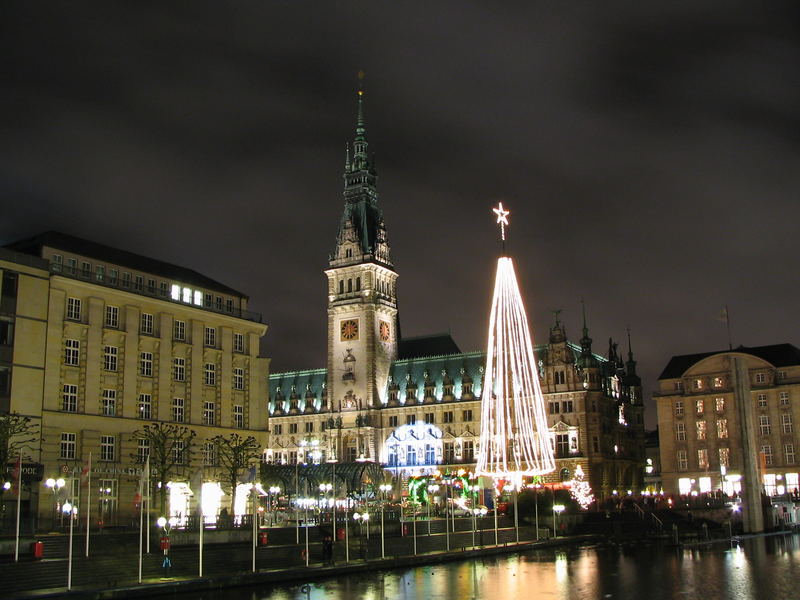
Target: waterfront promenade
x=111, y=570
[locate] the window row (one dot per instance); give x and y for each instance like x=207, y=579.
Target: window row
x=146, y=325
x=139, y=283
x=144, y=408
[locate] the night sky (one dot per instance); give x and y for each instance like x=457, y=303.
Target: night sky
x=648, y=152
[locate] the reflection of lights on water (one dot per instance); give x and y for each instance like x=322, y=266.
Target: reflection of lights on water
x=561, y=567
x=739, y=559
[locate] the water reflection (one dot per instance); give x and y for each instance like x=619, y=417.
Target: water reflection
x=761, y=568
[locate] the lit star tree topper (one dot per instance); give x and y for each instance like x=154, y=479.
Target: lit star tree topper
x=502, y=219
x=581, y=490
x=514, y=431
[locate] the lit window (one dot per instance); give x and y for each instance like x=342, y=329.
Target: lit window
x=702, y=458
x=187, y=295
x=198, y=298
x=698, y=384
x=719, y=404
x=701, y=430
x=718, y=382
x=700, y=406
x=722, y=429
x=175, y=292
x=724, y=457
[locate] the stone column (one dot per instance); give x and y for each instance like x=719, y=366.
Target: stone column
x=752, y=510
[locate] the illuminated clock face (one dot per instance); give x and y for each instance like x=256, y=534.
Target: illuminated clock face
x=350, y=330
x=384, y=331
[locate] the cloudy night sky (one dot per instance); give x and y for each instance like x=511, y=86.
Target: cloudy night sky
x=648, y=153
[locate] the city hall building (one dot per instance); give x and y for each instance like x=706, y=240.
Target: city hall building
x=413, y=405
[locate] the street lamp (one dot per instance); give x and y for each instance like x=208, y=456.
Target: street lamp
x=362, y=519
x=384, y=488
x=324, y=490
x=166, y=526
x=72, y=511
x=557, y=510
x=55, y=485
x=273, y=493
x=432, y=489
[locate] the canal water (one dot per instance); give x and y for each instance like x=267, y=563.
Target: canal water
x=764, y=567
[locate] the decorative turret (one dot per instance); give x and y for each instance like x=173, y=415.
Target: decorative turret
x=631, y=378
x=557, y=334
x=587, y=359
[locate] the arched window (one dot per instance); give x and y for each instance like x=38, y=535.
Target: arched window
x=564, y=474
x=349, y=285
x=358, y=284
x=341, y=286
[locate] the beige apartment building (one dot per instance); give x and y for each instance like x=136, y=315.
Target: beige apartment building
x=24, y=284
x=130, y=341
x=702, y=436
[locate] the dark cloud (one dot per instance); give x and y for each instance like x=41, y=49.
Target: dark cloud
x=648, y=154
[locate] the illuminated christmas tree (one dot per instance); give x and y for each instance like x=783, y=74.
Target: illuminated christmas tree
x=581, y=490
x=514, y=432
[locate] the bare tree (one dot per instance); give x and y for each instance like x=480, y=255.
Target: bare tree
x=170, y=448
x=17, y=434
x=235, y=454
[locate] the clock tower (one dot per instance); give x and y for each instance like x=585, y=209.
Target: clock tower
x=362, y=303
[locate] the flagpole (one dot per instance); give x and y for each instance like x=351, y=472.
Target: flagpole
x=19, y=505
x=141, y=525
x=728, y=323
x=202, y=525
x=147, y=495
x=88, y=501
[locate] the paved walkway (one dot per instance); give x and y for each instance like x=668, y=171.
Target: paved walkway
x=112, y=572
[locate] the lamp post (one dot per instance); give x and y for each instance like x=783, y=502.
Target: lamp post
x=324, y=490
x=474, y=489
x=432, y=489
x=166, y=526
x=273, y=500
x=362, y=519
x=54, y=485
x=72, y=511
x=385, y=487
x=557, y=510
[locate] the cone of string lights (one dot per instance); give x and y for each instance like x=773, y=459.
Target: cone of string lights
x=514, y=432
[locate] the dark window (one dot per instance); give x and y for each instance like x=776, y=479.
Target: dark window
x=8, y=296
